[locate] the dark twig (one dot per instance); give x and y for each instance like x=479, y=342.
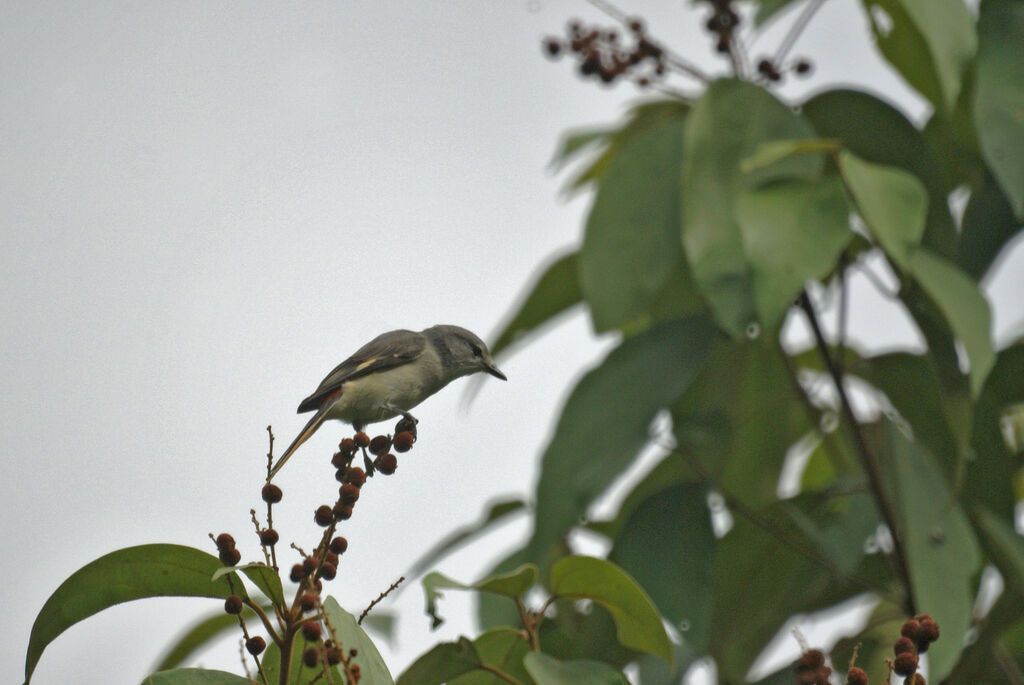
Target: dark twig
x=380, y=597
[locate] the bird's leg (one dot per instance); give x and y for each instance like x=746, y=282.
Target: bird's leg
x=369, y=465
x=387, y=406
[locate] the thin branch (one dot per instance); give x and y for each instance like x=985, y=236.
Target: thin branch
x=866, y=457
x=381, y=596
x=263, y=617
x=882, y=288
x=795, y=30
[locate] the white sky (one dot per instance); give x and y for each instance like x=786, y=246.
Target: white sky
x=206, y=206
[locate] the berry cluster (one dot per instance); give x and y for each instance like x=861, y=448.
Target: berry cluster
x=768, y=69
x=723, y=23
x=811, y=668
x=604, y=54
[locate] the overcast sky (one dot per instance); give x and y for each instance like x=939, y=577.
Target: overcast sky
x=206, y=206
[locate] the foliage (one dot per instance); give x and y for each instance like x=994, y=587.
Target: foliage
x=717, y=221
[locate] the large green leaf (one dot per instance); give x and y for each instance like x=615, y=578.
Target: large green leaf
x=131, y=573
x=443, y=662
x=631, y=242
x=930, y=42
x=961, y=302
x=940, y=549
x=556, y=290
x=512, y=585
x=988, y=225
x=195, y=676
x=727, y=126
x=667, y=544
x=792, y=232
x=547, y=670
x=877, y=132
x=999, y=96
x=606, y=418
x=502, y=649
x=637, y=620
x=891, y=201
x=351, y=636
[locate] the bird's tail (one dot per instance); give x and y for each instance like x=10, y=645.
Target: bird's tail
x=302, y=437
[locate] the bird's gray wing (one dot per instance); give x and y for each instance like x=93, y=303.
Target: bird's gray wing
x=386, y=351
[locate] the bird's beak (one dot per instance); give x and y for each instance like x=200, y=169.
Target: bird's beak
x=490, y=368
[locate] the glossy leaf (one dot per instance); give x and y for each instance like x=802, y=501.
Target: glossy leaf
x=605, y=421
x=877, y=132
x=195, y=676
x=513, y=585
x=444, y=662
x=999, y=97
x=891, y=202
x=930, y=42
x=988, y=225
x=961, y=302
x=793, y=232
x=941, y=551
x=547, y=670
x=555, y=291
x=636, y=618
x=262, y=576
x=631, y=241
x=667, y=544
x=131, y=573
x=497, y=512
x=502, y=649
x=351, y=635
x=727, y=126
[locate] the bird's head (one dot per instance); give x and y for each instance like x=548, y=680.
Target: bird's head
x=466, y=353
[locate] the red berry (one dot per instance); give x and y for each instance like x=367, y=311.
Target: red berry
x=904, y=646
x=323, y=515
x=379, y=445
x=307, y=601
x=348, y=493
x=386, y=463
x=856, y=676
x=269, y=537
x=271, y=493
x=356, y=476
x=910, y=629
x=904, y=664
x=298, y=573
x=361, y=439
x=339, y=545
x=311, y=630
x=233, y=604
x=225, y=542
x=328, y=571
x=311, y=656
x=348, y=445
x=403, y=441
x=341, y=511
x=255, y=645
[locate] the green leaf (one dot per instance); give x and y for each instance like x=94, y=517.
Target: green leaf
x=637, y=620
x=964, y=307
x=728, y=125
x=667, y=544
x=941, y=552
x=874, y=643
x=195, y=676
x=605, y=421
x=988, y=225
x=631, y=242
x=351, y=636
x=930, y=42
x=877, y=132
x=767, y=9
x=556, y=290
x=298, y=672
x=492, y=610
x=513, y=585
x=547, y=670
x=999, y=97
x=497, y=512
x=1005, y=547
x=201, y=633
x=776, y=150
x=502, y=649
x=793, y=232
x=891, y=202
x=444, y=662
x=121, y=576
x=262, y=576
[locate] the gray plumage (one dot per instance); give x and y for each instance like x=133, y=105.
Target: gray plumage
x=390, y=375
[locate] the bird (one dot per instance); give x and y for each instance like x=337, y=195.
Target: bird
x=390, y=375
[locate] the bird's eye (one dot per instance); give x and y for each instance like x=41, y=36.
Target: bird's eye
x=477, y=352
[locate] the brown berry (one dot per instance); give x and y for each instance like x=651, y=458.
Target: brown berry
x=339, y=460
x=339, y=545
x=904, y=664
x=361, y=439
x=405, y=424
x=297, y=574
x=331, y=558
x=856, y=676
x=311, y=656
x=323, y=515
x=803, y=67
x=553, y=47
x=269, y=537
x=379, y=444
x=311, y=630
x=636, y=25
x=812, y=659
x=328, y=571
x=233, y=604
x=333, y=655
x=342, y=511
x=225, y=542
x=230, y=557
x=386, y=463
x=928, y=631
x=356, y=476
x=403, y=441
x=307, y=601
x=348, y=494
x=910, y=629
x=309, y=565
x=255, y=645
x=348, y=445
x=914, y=679
x=903, y=646
x=271, y=493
